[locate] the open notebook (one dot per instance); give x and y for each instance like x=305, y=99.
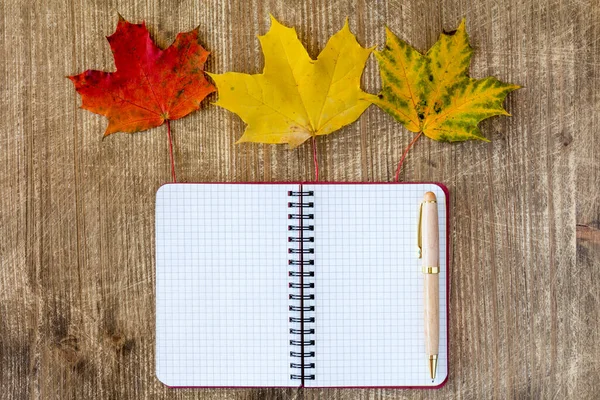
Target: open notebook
x=290, y=284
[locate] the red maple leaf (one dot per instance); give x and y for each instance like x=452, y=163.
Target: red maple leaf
x=150, y=86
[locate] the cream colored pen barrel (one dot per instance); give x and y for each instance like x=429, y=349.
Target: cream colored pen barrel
x=431, y=269
x=432, y=314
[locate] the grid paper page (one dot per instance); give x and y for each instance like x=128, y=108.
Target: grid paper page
x=369, y=286
x=222, y=285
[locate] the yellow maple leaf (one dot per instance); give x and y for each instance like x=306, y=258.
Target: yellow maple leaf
x=296, y=97
x=432, y=93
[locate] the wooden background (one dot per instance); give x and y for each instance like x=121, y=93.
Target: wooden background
x=77, y=213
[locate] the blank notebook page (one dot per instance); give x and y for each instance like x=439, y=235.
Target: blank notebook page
x=369, y=286
x=222, y=285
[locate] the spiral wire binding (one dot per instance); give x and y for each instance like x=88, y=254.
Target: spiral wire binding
x=302, y=274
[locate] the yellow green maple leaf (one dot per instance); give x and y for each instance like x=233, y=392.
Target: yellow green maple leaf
x=433, y=93
x=295, y=97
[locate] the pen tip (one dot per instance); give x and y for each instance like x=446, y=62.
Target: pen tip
x=432, y=366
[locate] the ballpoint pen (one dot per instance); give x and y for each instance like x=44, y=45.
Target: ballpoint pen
x=429, y=252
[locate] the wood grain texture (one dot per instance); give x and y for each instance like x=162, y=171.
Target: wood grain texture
x=76, y=212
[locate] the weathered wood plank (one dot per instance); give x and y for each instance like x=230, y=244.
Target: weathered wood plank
x=76, y=212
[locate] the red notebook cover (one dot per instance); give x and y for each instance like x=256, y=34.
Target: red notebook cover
x=313, y=284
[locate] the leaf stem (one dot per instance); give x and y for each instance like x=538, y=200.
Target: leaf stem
x=316, y=161
x=171, y=151
x=404, y=155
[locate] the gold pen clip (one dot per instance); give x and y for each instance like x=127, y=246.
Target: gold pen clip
x=420, y=251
